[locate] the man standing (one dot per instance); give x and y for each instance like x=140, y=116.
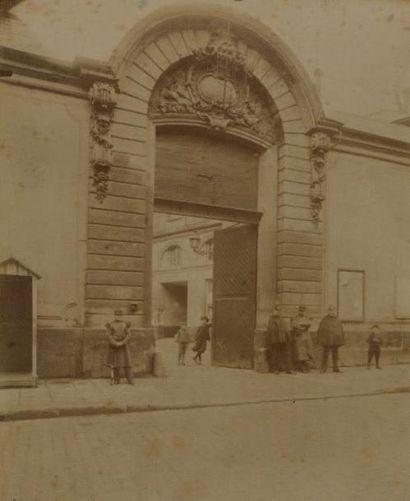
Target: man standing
x=119, y=355
x=279, y=341
x=303, y=350
x=330, y=336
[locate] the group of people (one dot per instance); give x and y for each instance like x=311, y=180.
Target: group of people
x=119, y=358
x=202, y=336
x=290, y=344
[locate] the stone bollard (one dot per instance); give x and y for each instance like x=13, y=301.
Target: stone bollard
x=261, y=360
x=158, y=368
x=260, y=357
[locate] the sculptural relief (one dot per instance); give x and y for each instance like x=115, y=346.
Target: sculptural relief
x=215, y=85
x=102, y=100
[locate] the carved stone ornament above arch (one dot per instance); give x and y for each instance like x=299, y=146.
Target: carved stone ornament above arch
x=215, y=87
x=187, y=27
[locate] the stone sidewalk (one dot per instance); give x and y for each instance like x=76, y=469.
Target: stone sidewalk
x=194, y=386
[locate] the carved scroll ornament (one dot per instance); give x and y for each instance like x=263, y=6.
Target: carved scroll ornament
x=215, y=85
x=102, y=100
x=320, y=144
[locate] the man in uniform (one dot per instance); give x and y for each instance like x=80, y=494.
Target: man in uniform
x=119, y=355
x=330, y=336
x=279, y=342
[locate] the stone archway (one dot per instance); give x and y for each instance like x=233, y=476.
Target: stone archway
x=147, y=54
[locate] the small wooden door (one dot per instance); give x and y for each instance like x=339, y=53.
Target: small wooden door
x=16, y=323
x=234, y=296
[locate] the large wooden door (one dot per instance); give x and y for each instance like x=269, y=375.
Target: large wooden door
x=234, y=296
x=15, y=323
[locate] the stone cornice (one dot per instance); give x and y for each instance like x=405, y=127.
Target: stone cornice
x=54, y=75
x=372, y=142
x=368, y=142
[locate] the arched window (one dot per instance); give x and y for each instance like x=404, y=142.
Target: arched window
x=171, y=256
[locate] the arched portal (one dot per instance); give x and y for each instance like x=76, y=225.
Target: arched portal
x=227, y=80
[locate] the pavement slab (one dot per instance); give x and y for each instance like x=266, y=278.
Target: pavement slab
x=194, y=386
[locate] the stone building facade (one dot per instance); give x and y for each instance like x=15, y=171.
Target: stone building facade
x=90, y=149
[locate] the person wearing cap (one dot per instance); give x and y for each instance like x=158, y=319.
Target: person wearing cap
x=302, y=341
x=375, y=342
x=330, y=336
x=119, y=354
x=279, y=342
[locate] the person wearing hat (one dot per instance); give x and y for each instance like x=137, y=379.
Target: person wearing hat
x=279, y=342
x=201, y=339
x=119, y=353
x=302, y=344
x=330, y=336
x=375, y=342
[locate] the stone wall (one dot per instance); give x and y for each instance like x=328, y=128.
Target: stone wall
x=74, y=353
x=44, y=162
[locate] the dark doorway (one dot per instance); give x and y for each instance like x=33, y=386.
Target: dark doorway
x=205, y=175
x=174, y=297
x=16, y=323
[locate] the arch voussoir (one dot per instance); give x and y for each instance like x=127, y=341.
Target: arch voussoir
x=145, y=66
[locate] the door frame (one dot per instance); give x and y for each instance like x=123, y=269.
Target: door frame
x=13, y=267
x=265, y=217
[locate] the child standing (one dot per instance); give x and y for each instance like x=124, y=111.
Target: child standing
x=182, y=337
x=375, y=342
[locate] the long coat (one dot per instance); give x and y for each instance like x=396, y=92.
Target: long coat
x=278, y=331
x=330, y=332
x=201, y=338
x=302, y=341
x=118, y=356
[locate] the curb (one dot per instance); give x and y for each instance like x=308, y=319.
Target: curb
x=31, y=414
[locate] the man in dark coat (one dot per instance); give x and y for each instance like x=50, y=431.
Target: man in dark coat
x=330, y=336
x=279, y=342
x=201, y=339
x=119, y=355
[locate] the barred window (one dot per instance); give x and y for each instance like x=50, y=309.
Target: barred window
x=172, y=256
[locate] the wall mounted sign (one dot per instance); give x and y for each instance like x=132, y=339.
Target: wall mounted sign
x=350, y=295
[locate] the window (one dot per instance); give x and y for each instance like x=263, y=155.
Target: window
x=173, y=217
x=172, y=256
x=208, y=249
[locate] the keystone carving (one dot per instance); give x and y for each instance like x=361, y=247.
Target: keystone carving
x=215, y=85
x=102, y=100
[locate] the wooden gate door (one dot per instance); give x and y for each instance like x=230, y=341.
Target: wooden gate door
x=234, y=296
x=15, y=323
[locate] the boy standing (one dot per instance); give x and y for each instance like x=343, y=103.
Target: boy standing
x=182, y=337
x=375, y=342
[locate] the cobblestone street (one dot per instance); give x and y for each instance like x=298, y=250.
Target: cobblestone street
x=335, y=450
